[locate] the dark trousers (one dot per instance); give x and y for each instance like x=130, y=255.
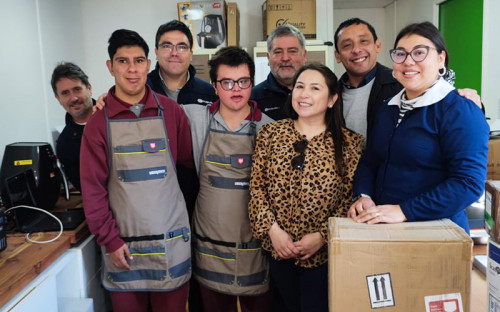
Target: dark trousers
x=217, y=302
x=301, y=289
x=138, y=301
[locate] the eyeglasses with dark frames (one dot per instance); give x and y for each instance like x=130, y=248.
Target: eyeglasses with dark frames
x=298, y=161
x=228, y=84
x=418, y=54
x=180, y=48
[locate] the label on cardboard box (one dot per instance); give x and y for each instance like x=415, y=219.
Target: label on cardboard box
x=488, y=214
x=444, y=303
x=380, y=290
x=493, y=276
x=299, y=13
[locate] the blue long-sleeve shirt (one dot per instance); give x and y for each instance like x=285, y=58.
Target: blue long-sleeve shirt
x=434, y=163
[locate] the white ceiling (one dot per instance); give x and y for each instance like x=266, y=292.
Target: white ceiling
x=361, y=4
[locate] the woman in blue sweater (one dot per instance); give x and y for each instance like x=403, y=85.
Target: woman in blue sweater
x=427, y=156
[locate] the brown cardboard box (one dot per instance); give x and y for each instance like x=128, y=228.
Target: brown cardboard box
x=492, y=209
x=233, y=24
x=299, y=13
x=207, y=21
x=410, y=266
x=200, y=63
x=493, y=276
x=494, y=159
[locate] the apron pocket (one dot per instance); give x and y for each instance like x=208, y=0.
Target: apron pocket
x=178, y=248
x=153, y=145
x=215, y=263
x=229, y=183
x=253, y=268
x=145, y=174
x=149, y=263
x=241, y=161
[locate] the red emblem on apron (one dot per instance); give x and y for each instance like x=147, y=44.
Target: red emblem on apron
x=152, y=145
x=241, y=160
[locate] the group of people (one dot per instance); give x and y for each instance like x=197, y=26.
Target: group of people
x=234, y=183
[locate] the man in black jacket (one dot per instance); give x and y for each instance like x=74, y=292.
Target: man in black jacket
x=286, y=53
x=366, y=83
x=73, y=90
x=174, y=76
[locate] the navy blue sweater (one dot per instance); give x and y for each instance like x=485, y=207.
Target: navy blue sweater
x=433, y=164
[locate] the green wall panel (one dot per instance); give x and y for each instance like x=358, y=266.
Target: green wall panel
x=461, y=24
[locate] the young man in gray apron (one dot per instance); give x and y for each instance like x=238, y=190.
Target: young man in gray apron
x=132, y=199
x=228, y=261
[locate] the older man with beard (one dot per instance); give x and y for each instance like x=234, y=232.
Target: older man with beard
x=73, y=90
x=286, y=53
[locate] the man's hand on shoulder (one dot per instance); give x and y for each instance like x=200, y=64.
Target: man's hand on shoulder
x=100, y=103
x=472, y=95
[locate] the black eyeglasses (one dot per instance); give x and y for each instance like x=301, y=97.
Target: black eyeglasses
x=418, y=54
x=298, y=161
x=181, y=47
x=228, y=84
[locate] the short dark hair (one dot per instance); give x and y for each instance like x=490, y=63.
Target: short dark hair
x=231, y=56
x=124, y=37
x=68, y=70
x=426, y=30
x=174, y=25
x=333, y=116
x=352, y=21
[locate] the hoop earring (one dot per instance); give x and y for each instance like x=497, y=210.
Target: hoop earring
x=393, y=76
x=443, y=72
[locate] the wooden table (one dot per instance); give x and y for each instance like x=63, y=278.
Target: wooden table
x=22, y=261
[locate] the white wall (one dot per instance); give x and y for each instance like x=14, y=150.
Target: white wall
x=491, y=61
x=30, y=30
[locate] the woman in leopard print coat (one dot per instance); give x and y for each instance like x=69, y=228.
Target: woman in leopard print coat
x=301, y=175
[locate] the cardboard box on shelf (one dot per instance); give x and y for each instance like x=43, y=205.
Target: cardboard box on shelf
x=200, y=63
x=233, y=24
x=492, y=209
x=410, y=266
x=207, y=21
x=494, y=159
x=493, y=276
x=299, y=13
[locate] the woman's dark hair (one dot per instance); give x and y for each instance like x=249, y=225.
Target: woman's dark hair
x=429, y=31
x=333, y=116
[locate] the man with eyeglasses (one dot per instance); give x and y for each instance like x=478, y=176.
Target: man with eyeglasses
x=228, y=261
x=286, y=53
x=366, y=83
x=174, y=76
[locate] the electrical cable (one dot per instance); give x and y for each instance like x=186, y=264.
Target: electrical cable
x=44, y=211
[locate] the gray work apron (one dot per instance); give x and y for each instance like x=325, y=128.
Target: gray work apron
x=148, y=207
x=227, y=258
